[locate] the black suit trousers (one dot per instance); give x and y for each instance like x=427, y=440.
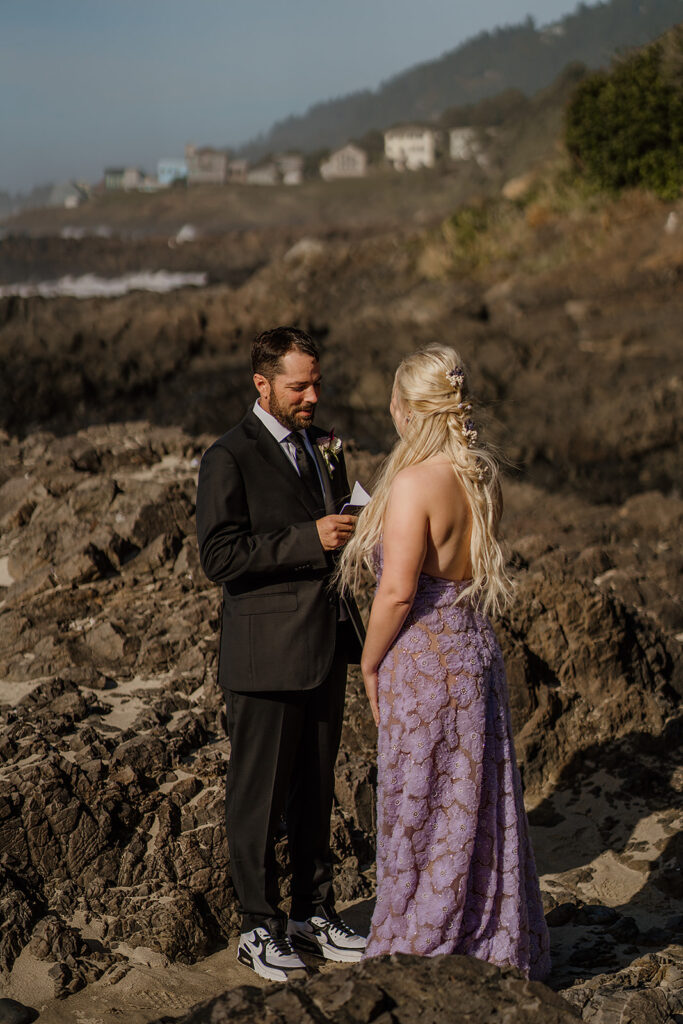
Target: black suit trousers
x=284, y=746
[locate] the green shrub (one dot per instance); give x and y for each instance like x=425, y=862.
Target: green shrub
x=625, y=128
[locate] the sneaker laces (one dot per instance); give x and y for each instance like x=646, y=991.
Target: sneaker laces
x=337, y=925
x=281, y=943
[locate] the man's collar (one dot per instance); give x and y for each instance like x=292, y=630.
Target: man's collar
x=272, y=425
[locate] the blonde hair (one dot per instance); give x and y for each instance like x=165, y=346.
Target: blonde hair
x=430, y=386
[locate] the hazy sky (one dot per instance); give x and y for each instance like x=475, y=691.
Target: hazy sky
x=89, y=83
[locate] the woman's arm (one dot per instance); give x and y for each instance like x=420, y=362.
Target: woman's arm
x=405, y=544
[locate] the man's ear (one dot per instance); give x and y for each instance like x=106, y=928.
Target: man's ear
x=262, y=385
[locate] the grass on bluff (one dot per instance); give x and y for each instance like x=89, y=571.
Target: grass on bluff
x=559, y=218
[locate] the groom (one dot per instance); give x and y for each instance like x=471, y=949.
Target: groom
x=268, y=526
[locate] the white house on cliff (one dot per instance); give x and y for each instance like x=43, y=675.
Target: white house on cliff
x=348, y=162
x=410, y=146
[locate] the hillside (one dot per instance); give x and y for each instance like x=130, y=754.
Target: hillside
x=382, y=200
x=520, y=56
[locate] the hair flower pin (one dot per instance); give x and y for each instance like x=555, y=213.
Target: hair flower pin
x=469, y=432
x=456, y=377
x=330, y=448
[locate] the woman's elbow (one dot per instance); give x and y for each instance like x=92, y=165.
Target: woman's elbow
x=398, y=597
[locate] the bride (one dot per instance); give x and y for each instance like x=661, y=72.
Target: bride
x=455, y=868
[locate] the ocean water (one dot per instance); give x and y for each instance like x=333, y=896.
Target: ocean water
x=89, y=286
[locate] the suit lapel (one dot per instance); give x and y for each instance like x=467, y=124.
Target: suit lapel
x=272, y=452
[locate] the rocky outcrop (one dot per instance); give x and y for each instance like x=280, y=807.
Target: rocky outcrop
x=230, y=258
x=591, y=649
x=112, y=741
x=576, y=351
x=112, y=737
x=394, y=990
x=14, y=1012
x=650, y=990
x=112, y=747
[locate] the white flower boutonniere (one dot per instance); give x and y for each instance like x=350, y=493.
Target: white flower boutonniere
x=330, y=449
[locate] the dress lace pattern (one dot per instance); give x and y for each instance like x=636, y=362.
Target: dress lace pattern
x=455, y=868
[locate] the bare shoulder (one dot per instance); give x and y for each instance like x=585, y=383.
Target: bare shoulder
x=409, y=480
x=424, y=481
x=411, y=474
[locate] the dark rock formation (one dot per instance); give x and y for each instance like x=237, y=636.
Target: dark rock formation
x=228, y=258
x=649, y=991
x=599, y=335
x=12, y=1012
x=112, y=744
x=112, y=739
x=393, y=990
x=112, y=761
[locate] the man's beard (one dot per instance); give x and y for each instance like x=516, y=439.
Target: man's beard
x=288, y=417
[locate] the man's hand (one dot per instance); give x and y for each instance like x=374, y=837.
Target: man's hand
x=334, y=531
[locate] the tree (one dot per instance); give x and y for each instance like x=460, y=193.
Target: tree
x=625, y=128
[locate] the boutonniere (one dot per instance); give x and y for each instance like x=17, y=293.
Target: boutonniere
x=330, y=448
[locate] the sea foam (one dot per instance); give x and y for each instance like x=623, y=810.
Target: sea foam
x=90, y=286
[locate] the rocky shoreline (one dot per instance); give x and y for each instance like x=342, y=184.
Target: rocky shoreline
x=113, y=749
x=115, y=893
x=584, y=309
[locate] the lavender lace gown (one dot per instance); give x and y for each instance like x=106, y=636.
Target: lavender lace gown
x=455, y=868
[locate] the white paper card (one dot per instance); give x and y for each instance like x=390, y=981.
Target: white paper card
x=359, y=497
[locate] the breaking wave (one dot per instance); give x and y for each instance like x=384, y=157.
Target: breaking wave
x=90, y=286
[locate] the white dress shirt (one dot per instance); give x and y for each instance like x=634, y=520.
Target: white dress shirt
x=281, y=433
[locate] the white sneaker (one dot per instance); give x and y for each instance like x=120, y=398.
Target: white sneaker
x=328, y=936
x=269, y=954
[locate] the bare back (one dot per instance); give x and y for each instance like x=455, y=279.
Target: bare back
x=430, y=493
x=450, y=522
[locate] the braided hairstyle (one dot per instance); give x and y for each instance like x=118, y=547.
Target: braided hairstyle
x=431, y=387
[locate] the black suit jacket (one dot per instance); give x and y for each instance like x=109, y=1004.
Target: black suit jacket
x=257, y=537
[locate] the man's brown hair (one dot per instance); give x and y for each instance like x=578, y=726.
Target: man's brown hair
x=269, y=347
